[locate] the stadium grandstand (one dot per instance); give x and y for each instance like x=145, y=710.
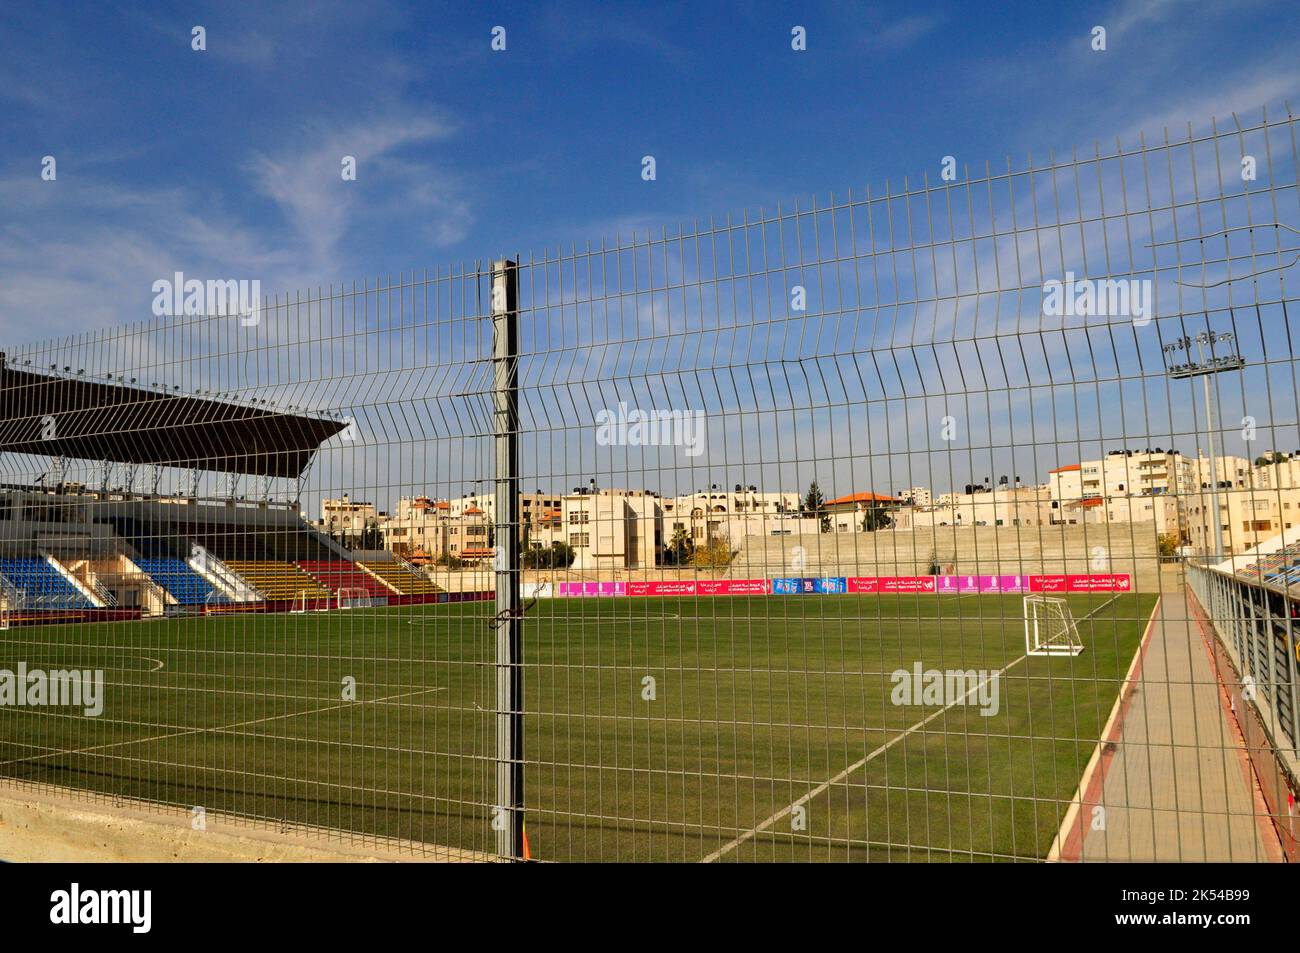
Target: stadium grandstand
x=73, y=552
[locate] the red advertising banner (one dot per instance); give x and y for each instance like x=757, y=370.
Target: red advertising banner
x=864, y=583
x=1097, y=582
x=906, y=583
x=733, y=587
x=666, y=588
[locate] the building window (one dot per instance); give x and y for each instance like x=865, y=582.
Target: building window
x=577, y=540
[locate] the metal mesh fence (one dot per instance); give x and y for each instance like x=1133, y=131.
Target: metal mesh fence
x=854, y=530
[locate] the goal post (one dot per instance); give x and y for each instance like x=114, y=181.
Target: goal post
x=353, y=598
x=11, y=600
x=302, y=602
x=1050, y=628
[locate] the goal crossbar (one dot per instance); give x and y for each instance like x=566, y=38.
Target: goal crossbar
x=353, y=598
x=1050, y=628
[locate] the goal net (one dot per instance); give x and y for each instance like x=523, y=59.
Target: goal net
x=1049, y=627
x=11, y=600
x=305, y=601
x=353, y=598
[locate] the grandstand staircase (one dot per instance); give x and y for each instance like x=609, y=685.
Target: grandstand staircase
x=220, y=576
x=82, y=575
x=132, y=585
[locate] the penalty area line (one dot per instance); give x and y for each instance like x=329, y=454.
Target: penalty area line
x=822, y=788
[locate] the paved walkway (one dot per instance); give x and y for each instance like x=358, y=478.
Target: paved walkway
x=1175, y=784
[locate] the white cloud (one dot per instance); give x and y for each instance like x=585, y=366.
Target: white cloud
x=83, y=251
x=307, y=186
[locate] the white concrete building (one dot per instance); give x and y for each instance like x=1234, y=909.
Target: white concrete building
x=717, y=514
x=347, y=520
x=613, y=529
x=1002, y=505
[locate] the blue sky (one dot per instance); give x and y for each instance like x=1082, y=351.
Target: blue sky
x=225, y=162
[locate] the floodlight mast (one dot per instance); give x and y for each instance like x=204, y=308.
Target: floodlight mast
x=1202, y=368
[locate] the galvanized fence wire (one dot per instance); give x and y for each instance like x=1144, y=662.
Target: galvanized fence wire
x=781, y=484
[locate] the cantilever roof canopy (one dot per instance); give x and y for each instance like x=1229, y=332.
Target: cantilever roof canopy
x=99, y=420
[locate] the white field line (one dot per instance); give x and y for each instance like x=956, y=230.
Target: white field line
x=825, y=785
x=1126, y=687
x=218, y=728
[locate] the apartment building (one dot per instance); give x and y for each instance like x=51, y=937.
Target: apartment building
x=348, y=520
x=626, y=528
x=916, y=496
x=1002, y=505
x=1125, y=486
x=848, y=514
x=613, y=529
x=1256, y=502
x=425, y=529
x=718, y=514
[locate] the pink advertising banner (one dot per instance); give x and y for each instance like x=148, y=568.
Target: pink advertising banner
x=962, y=585
x=942, y=585
x=593, y=588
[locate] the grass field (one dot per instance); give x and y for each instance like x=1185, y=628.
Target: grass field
x=760, y=703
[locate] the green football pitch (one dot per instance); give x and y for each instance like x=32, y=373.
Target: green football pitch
x=657, y=729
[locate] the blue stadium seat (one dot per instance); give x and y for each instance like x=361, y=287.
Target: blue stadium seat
x=175, y=575
x=42, y=585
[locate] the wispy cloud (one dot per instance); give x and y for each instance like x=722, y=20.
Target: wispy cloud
x=83, y=251
x=900, y=33
x=307, y=186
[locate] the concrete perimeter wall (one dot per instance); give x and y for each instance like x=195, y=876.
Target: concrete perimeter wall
x=50, y=825
x=1117, y=547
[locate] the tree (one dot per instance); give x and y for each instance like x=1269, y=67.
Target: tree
x=713, y=556
x=558, y=556
x=680, y=549
x=875, y=517
x=1276, y=456
x=1168, y=545
x=372, y=536
x=814, y=506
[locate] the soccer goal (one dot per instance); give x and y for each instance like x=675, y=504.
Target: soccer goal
x=308, y=600
x=1049, y=627
x=11, y=600
x=353, y=599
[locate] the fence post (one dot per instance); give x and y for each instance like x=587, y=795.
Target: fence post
x=508, y=818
